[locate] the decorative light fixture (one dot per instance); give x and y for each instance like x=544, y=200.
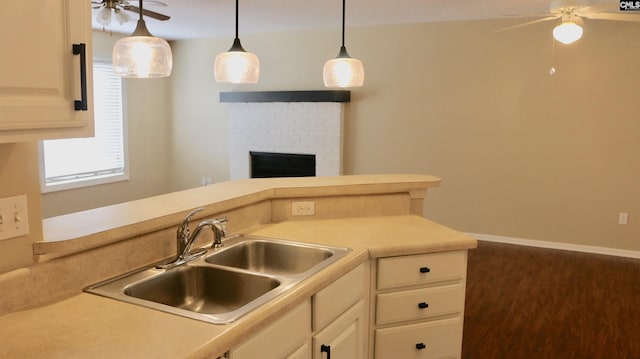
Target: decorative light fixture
x=104, y=16
x=567, y=32
x=343, y=71
x=237, y=66
x=142, y=55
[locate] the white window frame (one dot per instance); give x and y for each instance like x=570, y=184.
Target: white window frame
x=93, y=180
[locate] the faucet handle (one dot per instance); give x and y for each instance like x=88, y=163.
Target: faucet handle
x=183, y=230
x=223, y=224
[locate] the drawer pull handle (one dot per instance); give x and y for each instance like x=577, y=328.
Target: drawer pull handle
x=425, y=270
x=423, y=305
x=326, y=349
x=420, y=346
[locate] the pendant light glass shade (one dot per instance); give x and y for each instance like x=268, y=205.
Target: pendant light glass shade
x=142, y=55
x=343, y=71
x=567, y=32
x=237, y=66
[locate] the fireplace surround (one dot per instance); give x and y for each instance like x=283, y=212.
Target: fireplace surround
x=286, y=122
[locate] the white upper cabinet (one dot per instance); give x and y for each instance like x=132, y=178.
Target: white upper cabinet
x=45, y=89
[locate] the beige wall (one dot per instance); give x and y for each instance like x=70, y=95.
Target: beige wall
x=522, y=153
x=148, y=107
x=19, y=176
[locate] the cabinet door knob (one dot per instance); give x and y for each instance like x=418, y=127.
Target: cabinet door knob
x=423, y=305
x=420, y=346
x=425, y=270
x=326, y=349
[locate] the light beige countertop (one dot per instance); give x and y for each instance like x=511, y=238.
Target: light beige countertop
x=89, y=326
x=101, y=226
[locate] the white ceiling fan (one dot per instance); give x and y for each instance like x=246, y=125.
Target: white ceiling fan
x=572, y=14
x=110, y=9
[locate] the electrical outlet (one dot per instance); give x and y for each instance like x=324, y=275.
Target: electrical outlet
x=623, y=218
x=205, y=181
x=306, y=208
x=14, y=220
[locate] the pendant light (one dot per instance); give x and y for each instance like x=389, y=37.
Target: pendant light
x=343, y=71
x=237, y=66
x=142, y=55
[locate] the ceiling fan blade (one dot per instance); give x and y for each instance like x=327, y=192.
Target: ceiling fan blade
x=596, y=8
x=156, y=3
x=613, y=17
x=528, y=23
x=511, y=16
x=151, y=14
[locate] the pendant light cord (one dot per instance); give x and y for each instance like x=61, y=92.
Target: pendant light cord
x=141, y=9
x=343, y=16
x=237, y=19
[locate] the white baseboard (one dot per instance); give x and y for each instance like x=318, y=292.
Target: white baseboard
x=557, y=245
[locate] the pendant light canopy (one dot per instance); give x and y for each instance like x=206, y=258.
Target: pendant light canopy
x=343, y=71
x=237, y=66
x=142, y=55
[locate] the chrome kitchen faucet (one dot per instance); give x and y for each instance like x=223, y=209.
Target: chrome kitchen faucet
x=185, y=239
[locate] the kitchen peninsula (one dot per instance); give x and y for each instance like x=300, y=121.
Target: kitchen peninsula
x=379, y=217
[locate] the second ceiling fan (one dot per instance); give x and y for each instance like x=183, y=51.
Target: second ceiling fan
x=110, y=9
x=572, y=13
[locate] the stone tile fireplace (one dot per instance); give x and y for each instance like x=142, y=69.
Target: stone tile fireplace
x=286, y=123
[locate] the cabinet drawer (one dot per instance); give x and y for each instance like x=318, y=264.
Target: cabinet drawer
x=333, y=300
x=438, y=339
x=278, y=339
x=394, y=272
x=419, y=303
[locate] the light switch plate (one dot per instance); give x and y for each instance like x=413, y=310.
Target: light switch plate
x=14, y=219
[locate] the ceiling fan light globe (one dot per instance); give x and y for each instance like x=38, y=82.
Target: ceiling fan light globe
x=237, y=67
x=103, y=17
x=568, y=32
x=122, y=17
x=142, y=57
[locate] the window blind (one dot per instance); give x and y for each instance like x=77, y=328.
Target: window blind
x=83, y=159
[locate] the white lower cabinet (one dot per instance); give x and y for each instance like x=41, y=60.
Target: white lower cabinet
x=279, y=340
x=432, y=339
x=343, y=338
x=331, y=324
x=419, y=306
x=304, y=352
x=411, y=307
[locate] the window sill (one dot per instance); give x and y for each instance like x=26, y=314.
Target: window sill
x=96, y=181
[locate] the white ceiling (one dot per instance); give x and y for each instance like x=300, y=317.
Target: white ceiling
x=215, y=18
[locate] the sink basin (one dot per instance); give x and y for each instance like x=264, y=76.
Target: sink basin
x=225, y=283
x=273, y=257
x=203, y=289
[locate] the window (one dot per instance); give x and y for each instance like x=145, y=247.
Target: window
x=81, y=162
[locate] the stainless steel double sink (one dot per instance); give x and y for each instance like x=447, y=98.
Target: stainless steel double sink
x=225, y=283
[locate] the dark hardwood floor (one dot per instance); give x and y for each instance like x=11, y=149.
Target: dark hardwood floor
x=525, y=302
